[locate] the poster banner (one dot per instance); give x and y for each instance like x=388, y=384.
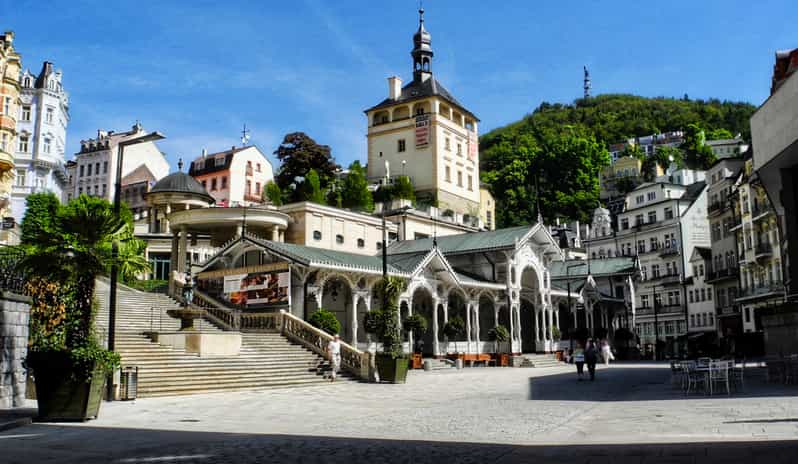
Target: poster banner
x=252, y=287
x=473, y=145
x=422, y=130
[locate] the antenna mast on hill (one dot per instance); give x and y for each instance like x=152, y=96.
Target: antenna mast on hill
x=587, y=82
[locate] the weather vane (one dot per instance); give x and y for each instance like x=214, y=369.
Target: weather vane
x=245, y=136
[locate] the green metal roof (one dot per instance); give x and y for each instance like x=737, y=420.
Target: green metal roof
x=464, y=243
x=617, y=265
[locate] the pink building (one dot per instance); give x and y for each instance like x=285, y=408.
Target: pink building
x=235, y=177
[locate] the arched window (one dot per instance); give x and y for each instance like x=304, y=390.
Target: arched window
x=27, y=82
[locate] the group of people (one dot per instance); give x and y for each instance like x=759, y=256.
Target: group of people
x=590, y=354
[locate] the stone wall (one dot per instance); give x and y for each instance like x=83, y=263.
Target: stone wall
x=14, y=315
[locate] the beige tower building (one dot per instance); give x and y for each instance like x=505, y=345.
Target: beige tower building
x=423, y=132
x=10, y=64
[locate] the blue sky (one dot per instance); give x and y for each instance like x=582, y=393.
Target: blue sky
x=197, y=71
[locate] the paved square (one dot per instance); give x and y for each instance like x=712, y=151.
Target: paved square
x=629, y=414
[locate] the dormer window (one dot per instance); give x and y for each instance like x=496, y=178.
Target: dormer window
x=220, y=161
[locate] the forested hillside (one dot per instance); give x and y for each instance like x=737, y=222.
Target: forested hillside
x=563, y=148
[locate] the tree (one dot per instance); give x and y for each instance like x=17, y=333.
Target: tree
x=697, y=155
x=272, y=194
x=403, y=189
x=720, y=134
x=310, y=189
x=355, y=192
x=634, y=151
x=39, y=216
x=326, y=321
x=299, y=154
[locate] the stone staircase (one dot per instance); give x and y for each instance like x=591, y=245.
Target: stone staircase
x=440, y=364
x=539, y=360
x=266, y=360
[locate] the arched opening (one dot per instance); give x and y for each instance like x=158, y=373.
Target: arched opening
x=422, y=306
x=486, y=317
x=404, y=311
x=457, y=308
x=381, y=117
x=362, y=336
x=529, y=326
x=403, y=112
x=421, y=108
x=337, y=298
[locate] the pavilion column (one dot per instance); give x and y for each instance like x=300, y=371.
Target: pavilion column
x=476, y=324
x=468, y=327
x=496, y=309
x=537, y=324
x=275, y=234
x=518, y=322
x=435, y=342
x=353, y=321
x=181, y=250
x=549, y=323
x=556, y=318
x=511, y=311
x=166, y=226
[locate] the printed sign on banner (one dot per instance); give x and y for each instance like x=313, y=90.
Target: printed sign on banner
x=422, y=130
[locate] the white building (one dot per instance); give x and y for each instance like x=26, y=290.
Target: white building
x=95, y=164
x=700, y=307
x=41, y=141
x=728, y=148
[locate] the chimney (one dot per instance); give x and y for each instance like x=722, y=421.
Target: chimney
x=394, y=87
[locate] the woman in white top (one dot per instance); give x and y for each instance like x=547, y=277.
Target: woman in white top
x=334, y=351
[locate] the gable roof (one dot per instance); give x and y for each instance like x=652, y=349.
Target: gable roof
x=605, y=266
x=465, y=243
x=416, y=90
x=704, y=253
x=207, y=168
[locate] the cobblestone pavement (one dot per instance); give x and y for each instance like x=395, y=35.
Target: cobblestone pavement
x=629, y=414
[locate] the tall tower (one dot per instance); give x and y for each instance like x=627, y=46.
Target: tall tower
x=420, y=130
x=587, y=82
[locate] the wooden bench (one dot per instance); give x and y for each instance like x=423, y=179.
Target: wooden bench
x=479, y=358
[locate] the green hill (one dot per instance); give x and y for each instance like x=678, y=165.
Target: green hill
x=564, y=146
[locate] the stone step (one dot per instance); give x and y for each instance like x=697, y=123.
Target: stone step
x=244, y=386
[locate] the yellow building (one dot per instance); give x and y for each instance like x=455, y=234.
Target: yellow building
x=10, y=63
x=487, y=208
x=423, y=132
x=622, y=176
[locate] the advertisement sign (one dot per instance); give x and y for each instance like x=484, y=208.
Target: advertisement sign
x=423, y=129
x=473, y=145
x=251, y=287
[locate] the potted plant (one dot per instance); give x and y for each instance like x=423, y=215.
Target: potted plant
x=417, y=325
x=391, y=362
x=326, y=321
x=498, y=335
x=71, y=249
x=454, y=329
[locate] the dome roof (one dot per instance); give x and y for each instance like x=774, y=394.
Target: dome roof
x=180, y=182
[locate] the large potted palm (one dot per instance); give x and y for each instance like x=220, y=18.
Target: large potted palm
x=391, y=363
x=72, y=250
x=416, y=324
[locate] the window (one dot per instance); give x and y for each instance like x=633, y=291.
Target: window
x=459, y=178
x=400, y=145
x=3, y=142
x=639, y=220
x=257, y=167
x=7, y=105
x=81, y=170
x=653, y=243
x=97, y=169
x=224, y=182
x=48, y=116
x=709, y=295
x=316, y=235
x=624, y=223
x=651, y=196
x=747, y=315
x=257, y=188
x=669, y=213
x=459, y=149
x=447, y=144
x=690, y=296
x=249, y=187
x=204, y=184
x=25, y=113
x=105, y=189
x=20, y=182
x=644, y=301
x=704, y=317
x=448, y=174
x=23, y=143
x=379, y=246
x=655, y=270
x=339, y=239
x=213, y=184
x=470, y=182
x=703, y=294
x=361, y=243
x=88, y=171
x=711, y=322
x=640, y=199
x=652, y=216
x=96, y=190
x=641, y=246
x=692, y=320
x=105, y=167
x=643, y=272
x=219, y=161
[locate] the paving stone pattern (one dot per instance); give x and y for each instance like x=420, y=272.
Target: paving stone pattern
x=495, y=415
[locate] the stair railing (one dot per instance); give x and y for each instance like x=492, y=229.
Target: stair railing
x=226, y=318
x=353, y=360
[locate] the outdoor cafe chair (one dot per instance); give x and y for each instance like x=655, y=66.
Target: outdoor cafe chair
x=719, y=375
x=677, y=374
x=737, y=375
x=694, y=378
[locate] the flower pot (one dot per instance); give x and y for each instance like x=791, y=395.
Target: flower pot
x=391, y=369
x=61, y=395
x=417, y=361
x=504, y=360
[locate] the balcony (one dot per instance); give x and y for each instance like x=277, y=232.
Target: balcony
x=764, y=290
x=662, y=310
x=667, y=279
x=717, y=207
x=763, y=250
x=759, y=212
x=722, y=274
x=728, y=311
x=668, y=251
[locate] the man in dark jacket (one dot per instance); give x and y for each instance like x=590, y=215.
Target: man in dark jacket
x=591, y=358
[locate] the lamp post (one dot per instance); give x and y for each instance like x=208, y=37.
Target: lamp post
x=120, y=151
x=570, y=309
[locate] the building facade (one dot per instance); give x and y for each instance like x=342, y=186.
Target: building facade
x=700, y=308
x=95, y=164
x=423, y=132
x=10, y=65
x=235, y=177
x=41, y=139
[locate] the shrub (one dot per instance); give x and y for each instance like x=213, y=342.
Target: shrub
x=415, y=323
x=372, y=322
x=454, y=328
x=388, y=291
x=555, y=333
x=326, y=321
x=499, y=334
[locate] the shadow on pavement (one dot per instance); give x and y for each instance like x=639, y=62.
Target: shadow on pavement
x=84, y=444
x=642, y=383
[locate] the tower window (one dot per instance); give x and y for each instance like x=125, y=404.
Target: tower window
x=447, y=144
x=23, y=143
x=25, y=113
x=448, y=174
x=419, y=111
x=361, y=243
x=316, y=235
x=459, y=178
x=49, y=116
x=46, y=145
x=400, y=145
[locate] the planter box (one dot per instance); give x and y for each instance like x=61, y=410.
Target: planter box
x=417, y=361
x=391, y=369
x=62, y=398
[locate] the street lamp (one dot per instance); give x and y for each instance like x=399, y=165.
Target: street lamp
x=120, y=151
x=570, y=309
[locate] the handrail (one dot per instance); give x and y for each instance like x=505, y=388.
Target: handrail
x=226, y=318
x=352, y=359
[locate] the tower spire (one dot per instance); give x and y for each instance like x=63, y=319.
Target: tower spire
x=587, y=82
x=422, y=50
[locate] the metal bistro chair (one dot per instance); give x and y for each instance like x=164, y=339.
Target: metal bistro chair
x=677, y=374
x=737, y=375
x=719, y=374
x=703, y=362
x=693, y=378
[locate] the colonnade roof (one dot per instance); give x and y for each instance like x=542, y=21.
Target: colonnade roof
x=605, y=266
x=476, y=242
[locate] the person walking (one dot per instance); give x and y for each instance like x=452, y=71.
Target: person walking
x=334, y=352
x=579, y=360
x=591, y=358
x=606, y=352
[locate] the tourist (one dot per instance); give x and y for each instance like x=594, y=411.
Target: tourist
x=606, y=352
x=334, y=352
x=591, y=357
x=579, y=360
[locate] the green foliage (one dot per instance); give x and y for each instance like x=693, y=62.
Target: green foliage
x=720, y=134
x=402, y=189
x=416, y=323
x=47, y=323
x=697, y=155
x=454, y=328
x=499, y=333
x=298, y=155
x=387, y=292
x=355, y=192
x=92, y=357
x=150, y=285
x=39, y=216
x=272, y=194
x=625, y=184
x=326, y=321
x=556, y=144
x=310, y=189
x=555, y=332
x=634, y=151
x=372, y=322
